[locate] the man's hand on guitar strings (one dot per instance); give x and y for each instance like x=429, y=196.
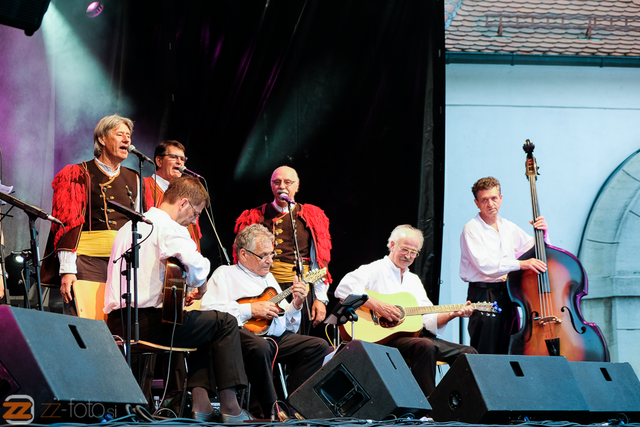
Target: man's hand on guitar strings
x=197, y=293
x=264, y=310
x=386, y=310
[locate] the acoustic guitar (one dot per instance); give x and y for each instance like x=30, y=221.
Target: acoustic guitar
x=373, y=328
x=174, y=292
x=260, y=326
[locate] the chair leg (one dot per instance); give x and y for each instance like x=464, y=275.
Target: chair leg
x=183, y=401
x=148, y=362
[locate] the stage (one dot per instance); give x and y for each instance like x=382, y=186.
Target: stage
x=57, y=369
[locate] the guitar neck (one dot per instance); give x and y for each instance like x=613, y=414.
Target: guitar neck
x=415, y=311
x=282, y=295
x=311, y=277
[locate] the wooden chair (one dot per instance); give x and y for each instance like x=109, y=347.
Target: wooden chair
x=89, y=299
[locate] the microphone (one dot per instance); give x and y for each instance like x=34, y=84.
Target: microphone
x=28, y=208
x=129, y=213
x=133, y=150
x=183, y=169
x=286, y=199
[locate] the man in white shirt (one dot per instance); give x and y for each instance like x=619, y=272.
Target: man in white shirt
x=490, y=247
x=215, y=334
x=278, y=342
x=391, y=275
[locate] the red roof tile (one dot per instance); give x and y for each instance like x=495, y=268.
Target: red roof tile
x=558, y=27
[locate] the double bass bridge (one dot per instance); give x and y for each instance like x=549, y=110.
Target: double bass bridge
x=547, y=319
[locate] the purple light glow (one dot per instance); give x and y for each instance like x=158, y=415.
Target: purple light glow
x=94, y=9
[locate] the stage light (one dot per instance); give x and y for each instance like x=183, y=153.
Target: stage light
x=94, y=9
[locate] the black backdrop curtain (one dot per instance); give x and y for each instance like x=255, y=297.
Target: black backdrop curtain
x=348, y=92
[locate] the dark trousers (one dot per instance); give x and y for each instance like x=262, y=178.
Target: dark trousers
x=491, y=334
x=303, y=356
x=218, y=361
x=423, y=352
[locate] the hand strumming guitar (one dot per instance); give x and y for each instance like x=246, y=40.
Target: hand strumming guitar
x=197, y=293
x=386, y=310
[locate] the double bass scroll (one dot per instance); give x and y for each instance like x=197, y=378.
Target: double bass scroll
x=552, y=323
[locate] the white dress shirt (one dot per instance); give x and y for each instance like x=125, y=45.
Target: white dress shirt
x=231, y=282
x=488, y=255
x=384, y=277
x=165, y=239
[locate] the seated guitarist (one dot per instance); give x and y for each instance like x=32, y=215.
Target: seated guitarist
x=215, y=334
x=391, y=275
x=250, y=277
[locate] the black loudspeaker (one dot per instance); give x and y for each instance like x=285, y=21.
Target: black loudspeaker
x=496, y=389
x=611, y=390
x=56, y=368
x=363, y=380
x=24, y=14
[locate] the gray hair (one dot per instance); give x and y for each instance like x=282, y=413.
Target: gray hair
x=248, y=236
x=104, y=126
x=401, y=231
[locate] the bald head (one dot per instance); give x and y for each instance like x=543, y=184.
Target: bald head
x=284, y=180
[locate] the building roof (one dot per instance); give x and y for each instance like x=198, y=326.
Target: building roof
x=544, y=27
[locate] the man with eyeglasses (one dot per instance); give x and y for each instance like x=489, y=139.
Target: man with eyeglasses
x=391, y=275
x=312, y=232
x=490, y=247
x=278, y=340
x=169, y=156
x=214, y=333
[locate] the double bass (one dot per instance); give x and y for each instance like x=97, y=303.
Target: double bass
x=552, y=323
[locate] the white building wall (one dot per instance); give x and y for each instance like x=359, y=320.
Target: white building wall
x=584, y=122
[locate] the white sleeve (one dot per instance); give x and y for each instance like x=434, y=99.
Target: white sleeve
x=67, y=262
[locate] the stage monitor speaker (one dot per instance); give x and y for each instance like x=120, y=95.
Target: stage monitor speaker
x=56, y=368
x=23, y=14
x=498, y=389
x=611, y=390
x=363, y=380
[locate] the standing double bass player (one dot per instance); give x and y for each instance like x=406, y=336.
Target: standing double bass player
x=490, y=247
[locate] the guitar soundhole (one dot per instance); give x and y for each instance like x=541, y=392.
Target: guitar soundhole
x=386, y=323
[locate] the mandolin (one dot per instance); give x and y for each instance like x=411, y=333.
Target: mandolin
x=260, y=326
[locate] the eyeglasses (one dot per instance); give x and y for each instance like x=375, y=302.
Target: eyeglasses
x=410, y=252
x=194, y=209
x=287, y=182
x=176, y=157
x=272, y=255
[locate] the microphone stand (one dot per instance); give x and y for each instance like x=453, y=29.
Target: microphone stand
x=222, y=251
x=33, y=213
x=35, y=259
x=132, y=263
x=299, y=267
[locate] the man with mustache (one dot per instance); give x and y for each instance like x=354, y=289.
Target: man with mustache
x=80, y=194
x=169, y=157
x=490, y=246
x=311, y=230
x=391, y=275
